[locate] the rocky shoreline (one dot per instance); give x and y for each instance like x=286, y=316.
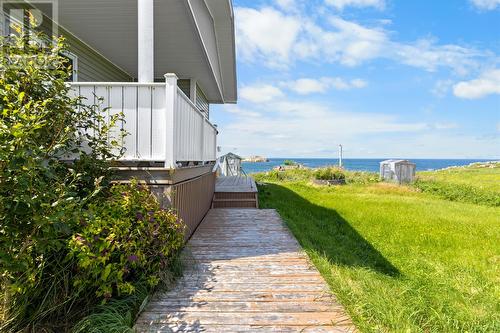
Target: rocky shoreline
x=256, y=159
x=489, y=164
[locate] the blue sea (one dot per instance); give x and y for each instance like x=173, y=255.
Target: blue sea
x=355, y=164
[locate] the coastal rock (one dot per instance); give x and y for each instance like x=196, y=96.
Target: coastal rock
x=256, y=159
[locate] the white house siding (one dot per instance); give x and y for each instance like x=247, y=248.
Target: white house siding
x=92, y=67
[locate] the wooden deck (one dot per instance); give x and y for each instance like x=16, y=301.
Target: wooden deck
x=235, y=192
x=245, y=273
x=237, y=184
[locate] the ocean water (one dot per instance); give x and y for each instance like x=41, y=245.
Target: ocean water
x=354, y=164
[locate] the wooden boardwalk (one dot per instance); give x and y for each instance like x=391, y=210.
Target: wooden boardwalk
x=245, y=273
x=235, y=184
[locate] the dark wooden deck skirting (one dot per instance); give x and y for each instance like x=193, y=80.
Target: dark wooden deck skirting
x=245, y=272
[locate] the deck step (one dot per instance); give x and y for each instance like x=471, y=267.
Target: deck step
x=228, y=203
x=235, y=200
x=234, y=195
x=235, y=192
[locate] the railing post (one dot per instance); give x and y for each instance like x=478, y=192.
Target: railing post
x=170, y=105
x=202, y=141
x=145, y=41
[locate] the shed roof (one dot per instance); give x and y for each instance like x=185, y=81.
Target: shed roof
x=232, y=155
x=397, y=162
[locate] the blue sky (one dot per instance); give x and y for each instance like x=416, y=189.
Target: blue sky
x=385, y=78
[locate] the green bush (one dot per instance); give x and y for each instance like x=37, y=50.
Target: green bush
x=119, y=314
x=361, y=177
x=329, y=173
x=286, y=175
x=289, y=163
x=125, y=240
x=41, y=195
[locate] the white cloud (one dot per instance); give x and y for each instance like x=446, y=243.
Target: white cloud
x=286, y=4
x=341, y=4
x=442, y=87
x=428, y=55
x=352, y=43
x=236, y=110
x=294, y=129
x=301, y=127
x=486, y=4
x=487, y=84
x=306, y=86
x=279, y=38
x=260, y=93
x=267, y=32
x=445, y=126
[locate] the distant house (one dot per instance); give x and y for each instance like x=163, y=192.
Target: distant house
x=161, y=63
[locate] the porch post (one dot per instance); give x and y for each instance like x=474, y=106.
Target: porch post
x=171, y=137
x=145, y=45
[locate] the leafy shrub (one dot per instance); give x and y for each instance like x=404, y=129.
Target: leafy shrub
x=329, y=173
x=126, y=239
x=42, y=196
x=286, y=175
x=119, y=314
x=361, y=177
x=289, y=163
x=459, y=192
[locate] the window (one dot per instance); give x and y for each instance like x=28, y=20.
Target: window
x=73, y=62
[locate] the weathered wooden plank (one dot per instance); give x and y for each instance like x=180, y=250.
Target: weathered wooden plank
x=253, y=278
x=261, y=296
x=192, y=286
x=235, y=184
x=245, y=273
x=183, y=327
x=330, y=318
x=239, y=306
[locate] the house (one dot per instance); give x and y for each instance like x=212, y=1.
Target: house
x=161, y=63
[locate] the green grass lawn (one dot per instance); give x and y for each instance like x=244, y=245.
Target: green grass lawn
x=399, y=260
x=483, y=178
x=472, y=184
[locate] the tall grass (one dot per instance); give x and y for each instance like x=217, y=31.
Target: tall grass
x=52, y=305
x=119, y=315
x=460, y=192
x=116, y=316
x=293, y=175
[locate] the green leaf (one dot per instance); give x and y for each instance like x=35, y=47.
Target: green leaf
x=106, y=272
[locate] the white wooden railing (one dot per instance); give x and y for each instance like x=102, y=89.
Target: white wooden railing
x=162, y=123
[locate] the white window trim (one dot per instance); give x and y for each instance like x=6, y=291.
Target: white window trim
x=74, y=58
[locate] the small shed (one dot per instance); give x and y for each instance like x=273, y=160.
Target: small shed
x=230, y=165
x=399, y=171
